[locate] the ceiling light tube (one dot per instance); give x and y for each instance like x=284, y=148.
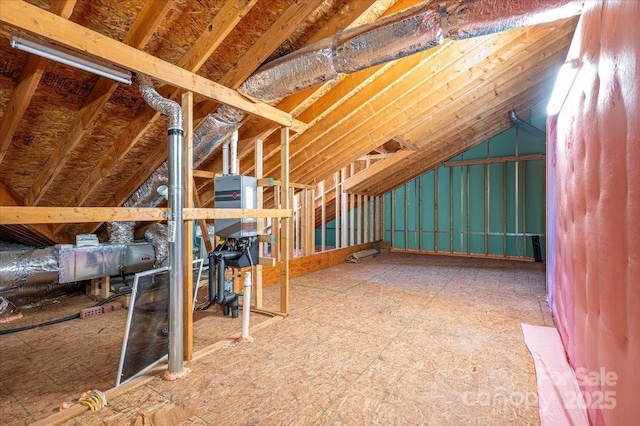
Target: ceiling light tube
x=69, y=57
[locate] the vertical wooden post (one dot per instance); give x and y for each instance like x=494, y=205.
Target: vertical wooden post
x=323, y=219
x=406, y=216
x=187, y=339
x=276, y=225
x=359, y=221
x=311, y=202
x=365, y=226
x=393, y=218
x=381, y=217
x=524, y=209
x=486, y=210
x=296, y=225
x=504, y=209
x=337, y=209
x=468, y=210
x=352, y=223
x=257, y=279
x=451, y=210
x=436, y=197
x=344, y=206
x=286, y=222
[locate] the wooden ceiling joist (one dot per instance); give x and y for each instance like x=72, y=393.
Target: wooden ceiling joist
x=27, y=85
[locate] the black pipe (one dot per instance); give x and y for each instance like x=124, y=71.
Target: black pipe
x=212, y=278
x=220, y=267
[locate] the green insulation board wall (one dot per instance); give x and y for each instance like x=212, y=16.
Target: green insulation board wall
x=330, y=227
x=482, y=209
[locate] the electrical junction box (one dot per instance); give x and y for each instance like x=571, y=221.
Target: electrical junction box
x=236, y=192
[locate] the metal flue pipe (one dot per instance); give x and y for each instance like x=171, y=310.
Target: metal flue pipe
x=175, y=133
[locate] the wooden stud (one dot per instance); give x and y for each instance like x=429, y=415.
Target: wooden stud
x=450, y=210
x=257, y=279
x=286, y=222
x=468, y=210
x=366, y=208
x=487, y=188
x=323, y=219
x=187, y=108
x=524, y=209
x=420, y=232
x=504, y=209
x=359, y=221
x=344, y=206
x=276, y=225
x=406, y=215
x=393, y=219
x=352, y=223
x=312, y=221
x=337, y=208
x=436, y=191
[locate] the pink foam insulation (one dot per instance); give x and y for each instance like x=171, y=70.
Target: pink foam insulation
x=593, y=220
x=559, y=396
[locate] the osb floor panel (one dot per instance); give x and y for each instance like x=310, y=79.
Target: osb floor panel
x=398, y=339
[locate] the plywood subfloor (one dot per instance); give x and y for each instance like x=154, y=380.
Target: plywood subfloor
x=399, y=339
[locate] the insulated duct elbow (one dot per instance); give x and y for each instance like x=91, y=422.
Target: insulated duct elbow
x=170, y=108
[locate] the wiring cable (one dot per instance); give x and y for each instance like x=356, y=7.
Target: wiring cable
x=63, y=319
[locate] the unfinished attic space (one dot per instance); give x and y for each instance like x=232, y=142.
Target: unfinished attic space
x=319, y=212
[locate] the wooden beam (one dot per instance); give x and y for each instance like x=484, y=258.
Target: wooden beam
x=203, y=174
x=187, y=109
x=27, y=85
x=10, y=198
x=261, y=227
x=376, y=168
x=285, y=237
x=495, y=160
x=16, y=215
x=69, y=34
x=139, y=33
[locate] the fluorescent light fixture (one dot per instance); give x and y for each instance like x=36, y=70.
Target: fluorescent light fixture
x=68, y=57
x=564, y=81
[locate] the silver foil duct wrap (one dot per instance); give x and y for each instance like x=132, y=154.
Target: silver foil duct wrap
x=27, y=268
x=170, y=108
x=147, y=194
x=157, y=234
x=8, y=311
x=216, y=128
x=475, y=18
x=36, y=294
x=294, y=72
x=120, y=232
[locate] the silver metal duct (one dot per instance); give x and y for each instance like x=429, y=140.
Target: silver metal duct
x=175, y=223
x=27, y=268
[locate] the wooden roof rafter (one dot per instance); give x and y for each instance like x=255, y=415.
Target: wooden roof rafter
x=27, y=85
x=469, y=91
x=138, y=35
